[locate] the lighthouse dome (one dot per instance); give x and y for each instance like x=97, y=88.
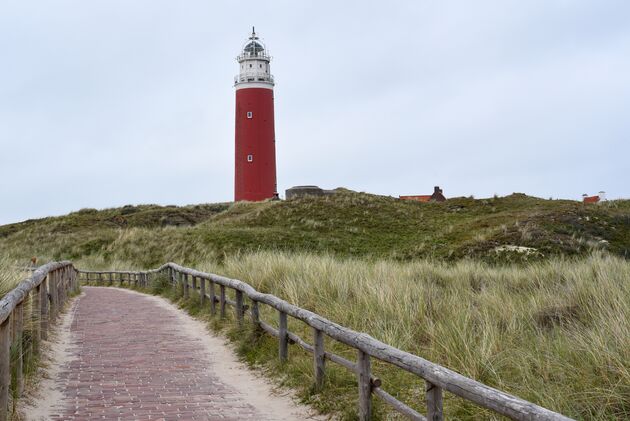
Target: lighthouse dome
x=253, y=47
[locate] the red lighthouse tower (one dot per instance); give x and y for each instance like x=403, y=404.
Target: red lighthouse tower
x=255, y=169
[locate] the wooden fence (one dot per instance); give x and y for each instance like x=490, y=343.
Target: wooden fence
x=40, y=298
x=437, y=378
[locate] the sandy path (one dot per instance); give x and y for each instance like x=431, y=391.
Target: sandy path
x=122, y=355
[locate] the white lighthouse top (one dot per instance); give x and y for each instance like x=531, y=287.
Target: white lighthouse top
x=254, y=69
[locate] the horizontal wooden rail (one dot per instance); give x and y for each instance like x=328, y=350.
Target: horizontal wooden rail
x=437, y=378
x=398, y=405
x=39, y=297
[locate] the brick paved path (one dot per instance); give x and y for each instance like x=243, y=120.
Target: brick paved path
x=131, y=361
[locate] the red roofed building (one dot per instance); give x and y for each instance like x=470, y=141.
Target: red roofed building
x=590, y=199
x=601, y=196
x=417, y=198
x=594, y=199
x=437, y=196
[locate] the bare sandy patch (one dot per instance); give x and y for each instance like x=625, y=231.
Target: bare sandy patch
x=39, y=403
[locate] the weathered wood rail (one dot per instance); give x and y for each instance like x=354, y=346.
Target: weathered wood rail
x=39, y=298
x=437, y=378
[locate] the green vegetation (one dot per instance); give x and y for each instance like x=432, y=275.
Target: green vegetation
x=347, y=224
x=527, y=295
x=10, y=277
x=556, y=333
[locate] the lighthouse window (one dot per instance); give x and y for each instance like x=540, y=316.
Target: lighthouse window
x=250, y=66
x=260, y=66
x=250, y=158
x=250, y=114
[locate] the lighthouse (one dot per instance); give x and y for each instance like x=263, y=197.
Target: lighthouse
x=255, y=151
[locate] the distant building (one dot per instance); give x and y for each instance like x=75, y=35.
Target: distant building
x=601, y=196
x=417, y=197
x=437, y=196
x=299, y=191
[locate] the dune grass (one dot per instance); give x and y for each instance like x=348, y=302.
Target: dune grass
x=10, y=277
x=556, y=333
x=347, y=224
x=552, y=328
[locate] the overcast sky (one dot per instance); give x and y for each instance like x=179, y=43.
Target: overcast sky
x=111, y=102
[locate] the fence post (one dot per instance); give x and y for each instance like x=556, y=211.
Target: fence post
x=213, y=299
x=43, y=316
x=61, y=288
x=194, y=283
x=36, y=311
x=222, y=300
x=28, y=343
x=52, y=288
x=5, y=368
x=66, y=283
x=283, y=338
x=319, y=359
x=186, y=286
x=240, y=311
x=202, y=291
x=434, y=402
x=111, y=279
x=255, y=315
x=365, y=388
x=18, y=368
x=180, y=277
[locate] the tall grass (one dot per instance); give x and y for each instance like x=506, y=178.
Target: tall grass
x=556, y=333
x=10, y=277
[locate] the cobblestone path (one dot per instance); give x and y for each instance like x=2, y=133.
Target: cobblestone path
x=131, y=360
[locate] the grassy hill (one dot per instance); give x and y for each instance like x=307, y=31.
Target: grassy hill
x=424, y=277
x=347, y=224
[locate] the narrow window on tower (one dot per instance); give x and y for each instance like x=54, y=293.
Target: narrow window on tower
x=250, y=158
x=250, y=114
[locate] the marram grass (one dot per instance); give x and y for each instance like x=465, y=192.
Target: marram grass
x=556, y=333
x=10, y=276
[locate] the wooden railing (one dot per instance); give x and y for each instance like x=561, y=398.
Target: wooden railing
x=42, y=294
x=437, y=378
